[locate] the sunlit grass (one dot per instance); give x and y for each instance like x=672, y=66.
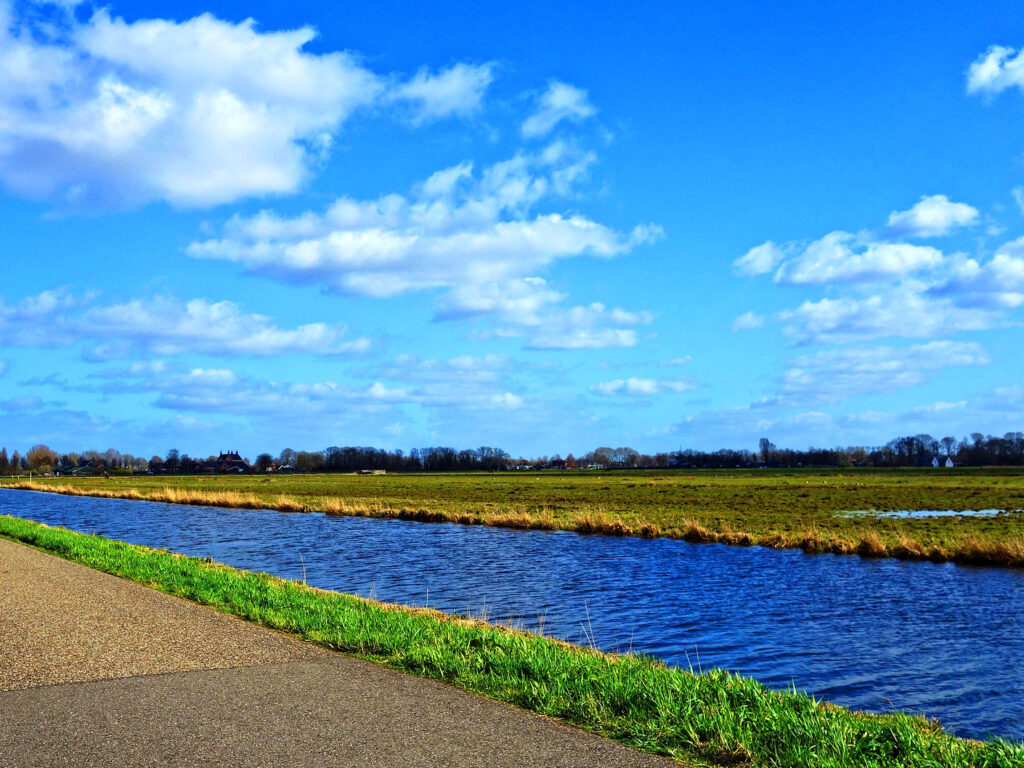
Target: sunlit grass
x=713, y=718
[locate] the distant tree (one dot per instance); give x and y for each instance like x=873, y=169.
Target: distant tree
x=767, y=448
x=308, y=461
x=264, y=462
x=112, y=458
x=173, y=460
x=5, y=463
x=16, y=464
x=287, y=458
x=41, y=458
x=948, y=443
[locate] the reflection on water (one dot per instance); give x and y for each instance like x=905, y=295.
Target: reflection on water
x=905, y=513
x=939, y=639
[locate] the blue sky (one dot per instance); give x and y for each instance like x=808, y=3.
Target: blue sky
x=543, y=227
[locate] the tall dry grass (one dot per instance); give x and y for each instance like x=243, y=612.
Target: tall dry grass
x=590, y=520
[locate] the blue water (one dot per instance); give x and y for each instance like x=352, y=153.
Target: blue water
x=942, y=640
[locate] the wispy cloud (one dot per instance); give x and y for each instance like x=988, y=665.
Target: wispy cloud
x=560, y=102
x=457, y=91
x=834, y=375
x=640, y=387
x=163, y=326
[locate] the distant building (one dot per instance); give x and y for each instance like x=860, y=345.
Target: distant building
x=230, y=463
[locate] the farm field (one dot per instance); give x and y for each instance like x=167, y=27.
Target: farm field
x=799, y=508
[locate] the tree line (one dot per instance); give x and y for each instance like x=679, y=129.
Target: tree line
x=906, y=451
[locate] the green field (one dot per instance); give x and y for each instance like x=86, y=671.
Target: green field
x=713, y=718
x=767, y=507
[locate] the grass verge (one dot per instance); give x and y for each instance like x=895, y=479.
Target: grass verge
x=714, y=718
x=782, y=512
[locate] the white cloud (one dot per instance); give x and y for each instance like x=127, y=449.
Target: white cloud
x=107, y=112
x=904, y=312
x=933, y=216
x=836, y=374
x=454, y=92
x=759, y=260
x=878, y=288
x=199, y=112
x=748, y=321
x=166, y=326
x=458, y=229
x=222, y=390
x=840, y=257
x=559, y=102
x=637, y=387
x=997, y=283
x=472, y=235
x=162, y=326
x=593, y=326
x=996, y=70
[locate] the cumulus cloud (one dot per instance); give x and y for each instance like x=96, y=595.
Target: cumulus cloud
x=934, y=216
x=997, y=283
x=472, y=235
x=162, y=326
x=637, y=387
x=199, y=112
x=996, y=70
x=877, y=288
x=107, y=112
x=840, y=257
x=559, y=102
x=759, y=260
x=836, y=374
x=457, y=91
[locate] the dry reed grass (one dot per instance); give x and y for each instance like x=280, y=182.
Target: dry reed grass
x=591, y=520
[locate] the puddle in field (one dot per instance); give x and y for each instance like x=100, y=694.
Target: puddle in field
x=914, y=513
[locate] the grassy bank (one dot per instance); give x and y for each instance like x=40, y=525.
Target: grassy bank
x=769, y=508
x=714, y=718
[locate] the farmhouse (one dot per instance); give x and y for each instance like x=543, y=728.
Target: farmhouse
x=230, y=463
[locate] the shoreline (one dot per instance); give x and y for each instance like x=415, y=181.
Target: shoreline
x=972, y=551
x=714, y=717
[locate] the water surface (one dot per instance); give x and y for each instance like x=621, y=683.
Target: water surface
x=938, y=639
x=917, y=513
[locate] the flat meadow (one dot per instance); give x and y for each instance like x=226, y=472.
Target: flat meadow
x=776, y=508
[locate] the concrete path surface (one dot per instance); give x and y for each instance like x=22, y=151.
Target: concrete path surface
x=98, y=671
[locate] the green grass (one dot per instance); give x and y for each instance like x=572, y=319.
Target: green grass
x=713, y=718
x=772, y=508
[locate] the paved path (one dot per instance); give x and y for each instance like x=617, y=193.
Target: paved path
x=98, y=671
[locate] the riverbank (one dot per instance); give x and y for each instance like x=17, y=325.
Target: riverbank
x=101, y=671
x=713, y=718
x=782, y=510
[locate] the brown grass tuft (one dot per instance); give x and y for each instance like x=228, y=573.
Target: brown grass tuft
x=872, y=546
